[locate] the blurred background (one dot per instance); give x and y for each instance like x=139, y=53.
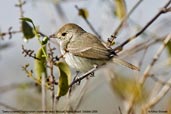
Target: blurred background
x=100, y=93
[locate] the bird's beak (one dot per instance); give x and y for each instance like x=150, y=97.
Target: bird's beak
x=53, y=36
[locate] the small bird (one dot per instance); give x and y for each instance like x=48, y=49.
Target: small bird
x=83, y=50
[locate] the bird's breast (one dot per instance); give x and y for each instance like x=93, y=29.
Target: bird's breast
x=81, y=64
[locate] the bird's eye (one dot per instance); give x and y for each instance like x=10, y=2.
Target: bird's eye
x=63, y=34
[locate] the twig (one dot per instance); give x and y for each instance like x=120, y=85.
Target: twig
x=155, y=90
x=120, y=26
x=28, y=52
x=89, y=24
x=29, y=73
x=155, y=58
x=166, y=9
x=71, y=88
x=43, y=93
x=120, y=111
x=82, y=95
x=120, y=47
x=51, y=54
x=160, y=81
x=13, y=86
x=8, y=107
x=52, y=77
x=83, y=76
x=20, y=5
x=130, y=105
x=157, y=98
x=5, y=45
x=143, y=56
x=42, y=34
x=10, y=33
x=138, y=47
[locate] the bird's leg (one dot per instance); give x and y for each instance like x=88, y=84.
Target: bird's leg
x=92, y=74
x=76, y=77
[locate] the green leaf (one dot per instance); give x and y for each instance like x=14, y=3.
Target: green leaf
x=45, y=40
x=168, y=45
x=64, y=79
x=120, y=10
x=83, y=13
x=40, y=63
x=26, y=19
x=27, y=30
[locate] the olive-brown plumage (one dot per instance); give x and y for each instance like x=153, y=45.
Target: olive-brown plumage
x=83, y=50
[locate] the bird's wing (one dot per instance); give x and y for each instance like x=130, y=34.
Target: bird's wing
x=88, y=46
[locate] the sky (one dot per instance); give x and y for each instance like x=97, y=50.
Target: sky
x=44, y=14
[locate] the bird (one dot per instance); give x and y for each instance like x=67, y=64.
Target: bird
x=83, y=50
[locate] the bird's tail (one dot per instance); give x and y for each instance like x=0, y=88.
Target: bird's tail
x=124, y=63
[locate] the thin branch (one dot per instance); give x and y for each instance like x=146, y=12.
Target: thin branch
x=130, y=105
x=28, y=52
x=10, y=33
x=8, y=107
x=88, y=23
x=120, y=111
x=166, y=9
x=82, y=95
x=20, y=5
x=139, y=47
x=29, y=73
x=43, y=93
x=159, y=80
x=120, y=26
x=155, y=58
x=158, y=97
x=120, y=47
x=42, y=34
x=143, y=56
x=5, y=46
x=52, y=77
x=83, y=76
x=169, y=9
x=157, y=86
x=6, y=88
